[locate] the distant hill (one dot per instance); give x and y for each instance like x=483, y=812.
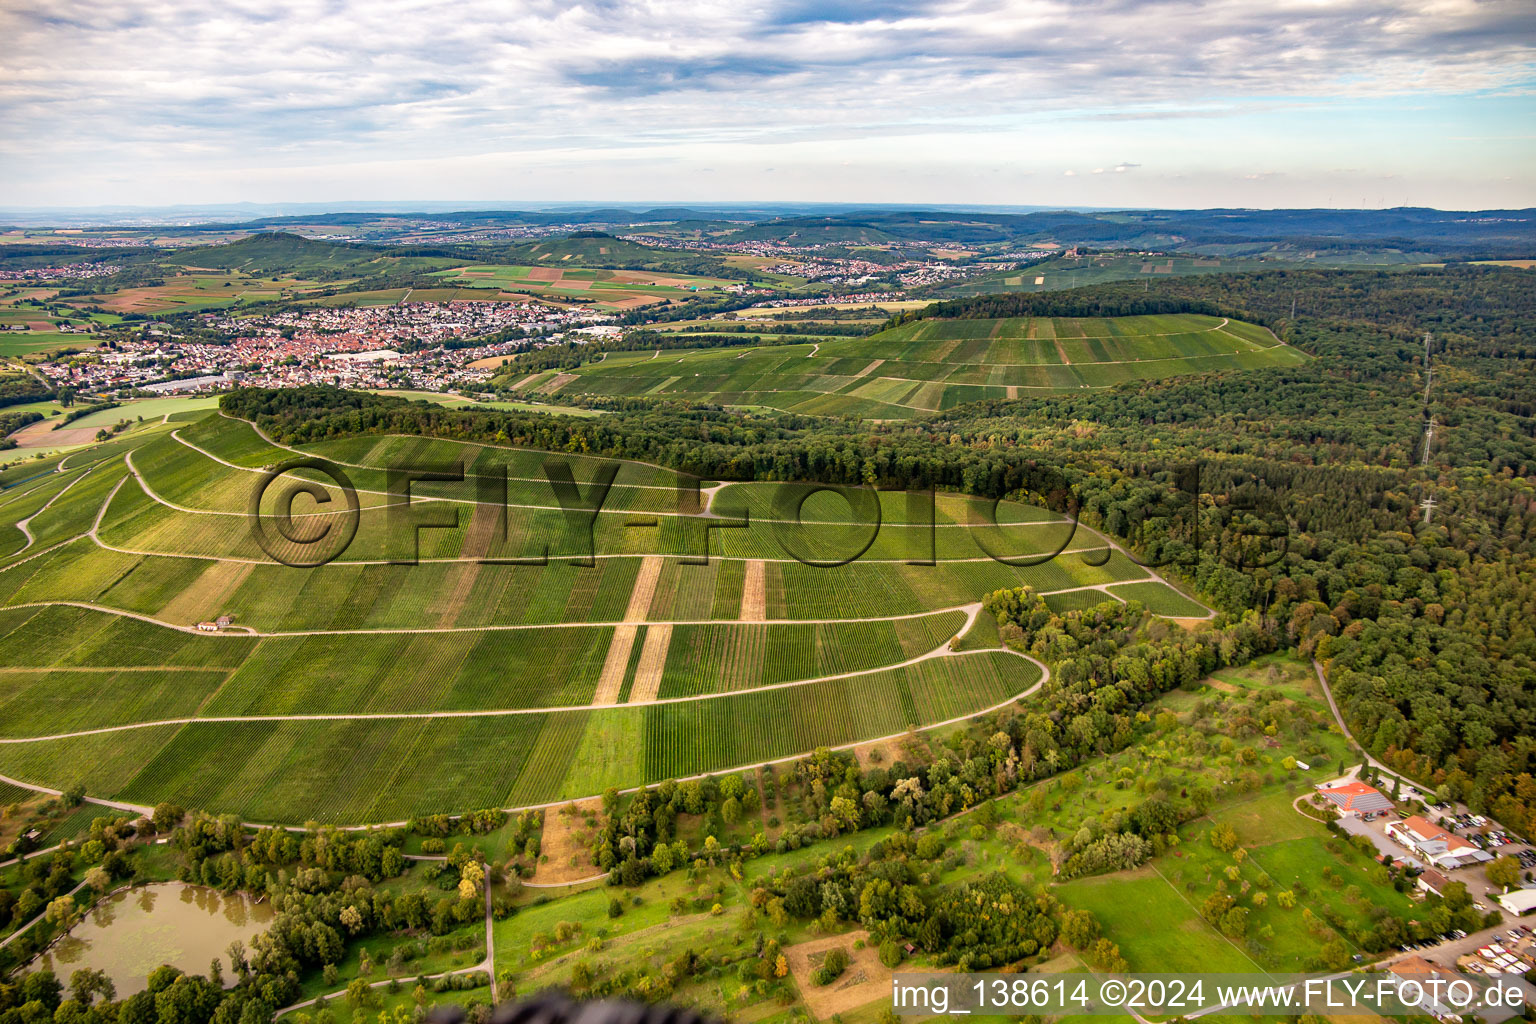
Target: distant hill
x=815, y=231
x=1406, y=230
x=272, y=253
x=599, y=249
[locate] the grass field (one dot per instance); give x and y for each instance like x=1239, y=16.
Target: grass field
x=933, y=365
x=370, y=689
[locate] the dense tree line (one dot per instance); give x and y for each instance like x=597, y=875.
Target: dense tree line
x=10, y=422
x=23, y=389
x=1084, y=302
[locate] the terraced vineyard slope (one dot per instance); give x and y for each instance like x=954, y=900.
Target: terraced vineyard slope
x=473, y=647
x=931, y=365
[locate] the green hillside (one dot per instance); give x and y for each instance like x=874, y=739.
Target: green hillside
x=274, y=252
x=569, y=679
x=931, y=365
x=597, y=249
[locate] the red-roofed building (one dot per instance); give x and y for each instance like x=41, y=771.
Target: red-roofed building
x=1355, y=797
x=1428, y=981
x=1441, y=848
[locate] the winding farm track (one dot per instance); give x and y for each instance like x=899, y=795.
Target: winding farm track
x=942, y=651
x=22, y=525
x=1322, y=680
x=971, y=610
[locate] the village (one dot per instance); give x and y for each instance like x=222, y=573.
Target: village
x=426, y=345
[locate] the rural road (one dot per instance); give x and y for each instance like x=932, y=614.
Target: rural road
x=1322, y=680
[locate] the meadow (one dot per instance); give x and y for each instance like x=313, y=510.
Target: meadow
x=932, y=365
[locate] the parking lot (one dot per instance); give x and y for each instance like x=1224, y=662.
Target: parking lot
x=1481, y=831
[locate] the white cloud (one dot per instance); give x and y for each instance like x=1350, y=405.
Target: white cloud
x=248, y=88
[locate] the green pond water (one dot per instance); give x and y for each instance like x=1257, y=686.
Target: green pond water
x=132, y=932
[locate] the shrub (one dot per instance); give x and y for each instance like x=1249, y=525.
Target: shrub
x=832, y=966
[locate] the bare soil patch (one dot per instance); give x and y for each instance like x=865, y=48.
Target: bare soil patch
x=653, y=658
x=644, y=590
x=555, y=383
x=467, y=573
x=545, y=273
x=480, y=532
x=632, y=302
x=611, y=681
x=42, y=435
x=566, y=838
x=865, y=980
x=876, y=754
x=643, y=277
x=754, y=593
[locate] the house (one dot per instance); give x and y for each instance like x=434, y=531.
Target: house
x=1441, y=848
x=1430, y=981
x=223, y=620
x=1432, y=882
x=208, y=627
x=1518, y=901
x=1353, y=797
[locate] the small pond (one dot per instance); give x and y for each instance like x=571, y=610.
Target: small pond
x=132, y=932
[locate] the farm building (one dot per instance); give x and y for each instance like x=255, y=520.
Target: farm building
x=1433, y=882
x=1354, y=797
x=1518, y=902
x=1441, y=848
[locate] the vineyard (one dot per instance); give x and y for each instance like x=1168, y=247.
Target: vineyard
x=931, y=365
x=479, y=643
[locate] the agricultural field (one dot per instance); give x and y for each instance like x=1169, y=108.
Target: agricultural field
x=197, y=290
x=475, y=643
x=614, y=290
x=931, y=365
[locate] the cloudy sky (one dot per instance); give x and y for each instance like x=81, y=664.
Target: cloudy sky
x=1093, y=102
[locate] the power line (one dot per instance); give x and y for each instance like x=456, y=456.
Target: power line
x=1428, y=504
